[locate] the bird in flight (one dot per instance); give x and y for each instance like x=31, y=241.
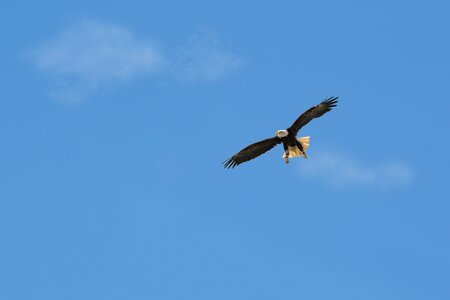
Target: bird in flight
x=293, y=146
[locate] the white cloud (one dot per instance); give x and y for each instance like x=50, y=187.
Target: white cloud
x=340, y=170
x=204, y=59
x=99, y=51
x=90, y=55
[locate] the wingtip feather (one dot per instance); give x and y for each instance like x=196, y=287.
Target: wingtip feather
x=331, y=101
x=229, y=163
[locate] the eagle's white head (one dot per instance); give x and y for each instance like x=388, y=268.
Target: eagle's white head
x=282, y=133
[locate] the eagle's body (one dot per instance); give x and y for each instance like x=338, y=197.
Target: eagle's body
x=293, y=146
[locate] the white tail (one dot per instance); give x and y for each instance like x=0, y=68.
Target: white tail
x=304, y=141
x=294, y=151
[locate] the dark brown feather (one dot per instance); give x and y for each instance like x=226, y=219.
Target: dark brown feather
x=251, y=152
x=312, y=113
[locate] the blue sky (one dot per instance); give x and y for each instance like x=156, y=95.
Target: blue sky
x=115, y=117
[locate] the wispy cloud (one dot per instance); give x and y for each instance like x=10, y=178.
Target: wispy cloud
x=339, y=170
x=204, y=58
x=89, y=55
x=100, y=51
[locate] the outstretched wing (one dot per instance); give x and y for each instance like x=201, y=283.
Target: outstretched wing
x=251, y=152
x=312, y=113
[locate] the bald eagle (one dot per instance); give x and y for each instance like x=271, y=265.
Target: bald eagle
x=293, y=146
